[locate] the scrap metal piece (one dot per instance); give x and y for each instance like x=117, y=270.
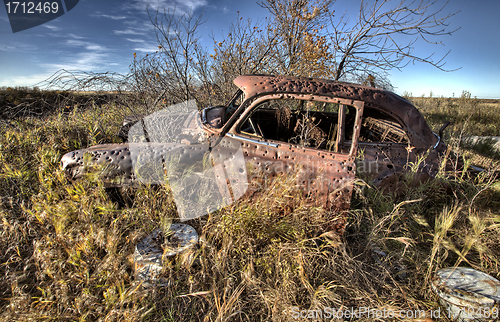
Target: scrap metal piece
x=129, y=164
x=467, y=294
x=150, y=253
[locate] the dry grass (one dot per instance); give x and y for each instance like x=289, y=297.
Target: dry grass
x=469, y=117
x=66, y=248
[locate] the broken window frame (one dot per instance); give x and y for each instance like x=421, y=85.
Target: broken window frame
x=387, y=118
x=236, y=132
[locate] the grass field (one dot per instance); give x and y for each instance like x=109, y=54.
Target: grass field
x=66, y=248
x=469, y=117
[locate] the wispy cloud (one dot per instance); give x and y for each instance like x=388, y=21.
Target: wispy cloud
x=87, y=45
x=129, y=31
x=135, y=40
x=58, y=32
x=136, y=27
x=4, y=47
x=30, y=80
x=110, y=16
x=88, y=56
x=147, y=48
x=51, y=27
x=85, y=61
x=74, y=36
x=64, y=35
x=17, y=47
x=181, y=6
x=143, y=46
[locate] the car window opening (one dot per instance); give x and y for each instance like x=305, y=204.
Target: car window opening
x=314, y=124
x=378, y=127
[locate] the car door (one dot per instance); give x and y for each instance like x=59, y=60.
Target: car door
x=312, y=138
x=384, y=148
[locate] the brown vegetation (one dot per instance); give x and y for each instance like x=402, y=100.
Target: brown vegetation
x=66, y=249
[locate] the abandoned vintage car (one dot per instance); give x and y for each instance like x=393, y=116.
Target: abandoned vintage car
x=321, y=131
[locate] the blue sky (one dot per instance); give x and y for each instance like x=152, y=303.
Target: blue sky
x=102, y=36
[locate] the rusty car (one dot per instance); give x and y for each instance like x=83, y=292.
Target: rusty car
x=323, y=132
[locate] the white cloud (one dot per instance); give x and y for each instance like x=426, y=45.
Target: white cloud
x=17, y=47
x=143, y=46
x=147, y=48
x=53, y=28
x=87, y=45
x=135, y=40
x=85, y=61
x=137, y=28
x=180, y=6
x=194, y=4
x=129, y=31
x=74, y=36
x=88, y=56
x=63, y=35
x=143, y=25
x=4, y=47
x=110, y=16
x=95, y=47
x=30, y=80
x=72, y=42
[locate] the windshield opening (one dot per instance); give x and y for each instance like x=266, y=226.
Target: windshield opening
x=235, y=102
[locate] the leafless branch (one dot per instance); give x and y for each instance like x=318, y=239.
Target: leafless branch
x=385, y=37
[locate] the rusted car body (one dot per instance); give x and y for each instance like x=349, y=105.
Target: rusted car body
x=323, y=132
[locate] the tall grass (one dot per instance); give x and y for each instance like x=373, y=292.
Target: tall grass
x=468, y=114
x=66, y=248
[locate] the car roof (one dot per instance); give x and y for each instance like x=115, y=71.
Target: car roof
x=420, y=134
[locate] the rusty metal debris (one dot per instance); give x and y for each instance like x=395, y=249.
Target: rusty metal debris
x=323, y=132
